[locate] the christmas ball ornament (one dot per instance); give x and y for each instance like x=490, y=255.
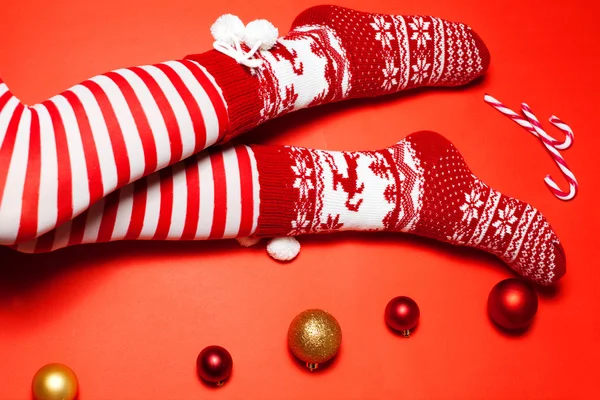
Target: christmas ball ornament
x=512, y=304
x=314, y=336
x=54, y=382
x=402, y=314
x=214, y=365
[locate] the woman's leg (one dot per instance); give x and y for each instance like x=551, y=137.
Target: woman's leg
x=421, y=185
x=61, y=156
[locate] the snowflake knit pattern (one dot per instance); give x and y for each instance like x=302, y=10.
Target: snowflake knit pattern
x=59, y=157
x=421, y=185
x=334, y=53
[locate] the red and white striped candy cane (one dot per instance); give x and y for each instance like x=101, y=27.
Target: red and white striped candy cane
x=543, y=135
x=532, y=125
x=566, y=129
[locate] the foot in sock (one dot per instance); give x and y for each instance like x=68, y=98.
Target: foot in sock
x=334, y=53
x=59, y=157
x=421, y=185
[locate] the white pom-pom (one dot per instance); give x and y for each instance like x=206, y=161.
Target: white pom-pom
x=261, y=31
x=248, y=241
x=226, y=28
x=283, y=248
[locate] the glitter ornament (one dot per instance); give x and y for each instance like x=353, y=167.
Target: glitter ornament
x=314, y=336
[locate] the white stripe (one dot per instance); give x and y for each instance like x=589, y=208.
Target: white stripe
x=154, y=116
x=179, y=202
x=207, y=108
x=6, y=115
x=12, y=201
x=61, y=238
x=514, y=247
x=213, y=82
x=566, y=130
x=124, y=212
x=486, y=217
x=416, y=189
x=207, y=196
x=3, y=88
x=186, y=128
x=79, y=175
x=467, y=33
x=131, y=136
x=255, y=190
x=439, y=50
x=48, y=202
x=527, y=246
x=234, y=193
x=152, y=207
x=104, y=149
x=451, y=32
x=93, y=222
x=403, y=51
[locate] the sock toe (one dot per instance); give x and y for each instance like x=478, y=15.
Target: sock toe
x=459, y=208
x=484, y=53
x=560, y=263
x=540, y=256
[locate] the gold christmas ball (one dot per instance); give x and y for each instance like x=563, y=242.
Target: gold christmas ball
x=314, y=337
x=55, y=382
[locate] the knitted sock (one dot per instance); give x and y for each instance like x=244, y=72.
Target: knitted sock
x=421, y=185
x=334, y=53
x=59, y=157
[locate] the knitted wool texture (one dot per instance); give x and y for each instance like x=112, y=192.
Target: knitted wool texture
x=61, y=156
x=334, y=53
x=421, y=185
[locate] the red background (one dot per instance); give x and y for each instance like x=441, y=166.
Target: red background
x=130, y=318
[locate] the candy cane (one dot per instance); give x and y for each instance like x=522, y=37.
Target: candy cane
x=531, y=128
x=569, y=136
x=540, y=131
x=532, y=125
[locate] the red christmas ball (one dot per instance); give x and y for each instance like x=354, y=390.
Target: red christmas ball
x=402, y=314
x=512, y=304
x=214, y=364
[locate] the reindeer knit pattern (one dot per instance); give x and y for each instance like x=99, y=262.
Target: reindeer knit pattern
x=60, y=157
x=421, y=185
x=334, y=53
x=117, y=157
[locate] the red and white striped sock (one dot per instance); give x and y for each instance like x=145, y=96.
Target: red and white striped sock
x=59, y=157
x=212, y=195
x=421, y=185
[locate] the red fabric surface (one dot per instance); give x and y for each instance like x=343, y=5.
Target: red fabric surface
x=131, y=318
